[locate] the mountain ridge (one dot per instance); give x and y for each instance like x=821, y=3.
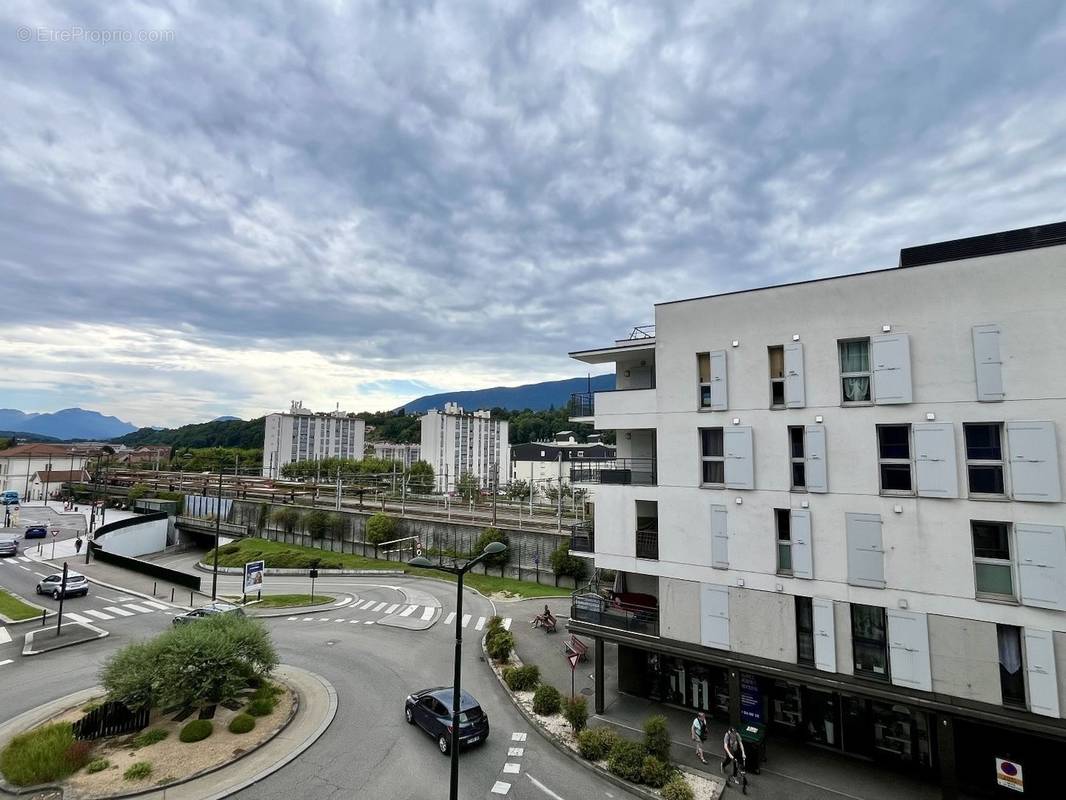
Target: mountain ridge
x=534, y=396
x=67, y=423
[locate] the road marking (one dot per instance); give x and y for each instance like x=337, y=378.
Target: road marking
x=120, y=611
x=135, y=607
x=451, y=616
x=98, y=614
x=308, y=619
x=408, y=611
x=518, y=737
x=512, y=768
x=77, y=618
x=25, y=568
x=112, y=599
x=507, y=624
x=543, y=788
x=427, y=614
x=380, y=606
x=501, y=788
x=5, y=637
x=23, y=558
x=366, y=605
x=290, y=619
x=154, y=604
x=480, y=624
x=515, y=752
x=353, y=622
x=392, y=608
x=5, y=662
x=40, y=574
x=466, y=619
x=369, y=622
x=323, y=619
x=344, y=602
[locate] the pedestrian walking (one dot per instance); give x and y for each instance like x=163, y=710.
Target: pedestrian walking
x=699, y=734
x=77, y=544
x=733, y=747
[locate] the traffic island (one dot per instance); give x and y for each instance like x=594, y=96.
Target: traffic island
x=45, y=640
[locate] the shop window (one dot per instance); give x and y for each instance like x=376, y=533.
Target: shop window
x=804, y=631
x=1011, y=673
x=869, y=641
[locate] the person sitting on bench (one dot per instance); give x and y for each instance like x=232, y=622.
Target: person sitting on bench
x=545, y=620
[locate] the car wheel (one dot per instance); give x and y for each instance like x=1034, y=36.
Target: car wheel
x=442, y=743
x=410, y=717
x=55, y=594
x=37, y=589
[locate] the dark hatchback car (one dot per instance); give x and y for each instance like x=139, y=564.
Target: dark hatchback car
x=36, y=532
x=430, y=709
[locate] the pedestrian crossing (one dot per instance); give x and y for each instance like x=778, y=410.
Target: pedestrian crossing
x=423, y=612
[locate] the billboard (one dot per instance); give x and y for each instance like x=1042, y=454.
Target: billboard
x=253, y=576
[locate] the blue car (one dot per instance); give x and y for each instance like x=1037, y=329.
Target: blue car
x=36, y=532
x=430, y=709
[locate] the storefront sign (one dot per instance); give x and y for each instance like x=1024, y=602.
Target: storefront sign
x=1009, y=774
x=750, y=699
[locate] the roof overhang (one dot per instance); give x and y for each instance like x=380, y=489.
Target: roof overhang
x=622, y=349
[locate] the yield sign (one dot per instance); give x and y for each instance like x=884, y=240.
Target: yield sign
x=573, y=658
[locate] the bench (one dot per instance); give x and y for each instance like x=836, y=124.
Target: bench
x=574, y=646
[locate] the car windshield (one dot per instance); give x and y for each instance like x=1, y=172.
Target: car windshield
x=473, y=715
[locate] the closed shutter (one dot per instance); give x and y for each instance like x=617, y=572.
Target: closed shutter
x=719, y=537
x=1034, y=461
x=739, y=462
x=866, y=555
x=825, y=640
x=1041, y=565
x=802, y=548
x=890, y=358
x=935, y=465
x=908, y=649
x=719, y=382
x=988, y=366
x=815, y=458
x=1040, y=670
x=714, y=616
x=795, y=390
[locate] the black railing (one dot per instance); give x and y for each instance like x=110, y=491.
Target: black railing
x=111, y=719
x=639, y=471
x=581, y=404
x=582, y=538
x=648, y=544
x=598, y=610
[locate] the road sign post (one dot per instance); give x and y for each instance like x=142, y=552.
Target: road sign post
x=314, y=574
x=573, y=658
x=55, y=533
x=62, y=597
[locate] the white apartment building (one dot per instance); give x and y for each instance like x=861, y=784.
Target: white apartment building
x=844, y=514
x=454, y=442
x=406, y=454
x=304, y=435
x=19, y=465
x=544, y=463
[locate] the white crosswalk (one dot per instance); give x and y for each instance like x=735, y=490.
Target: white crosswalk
x=98, y=614
x=424, y=613
x=140, y=609
x=5, y=637
x=121, y=612
x=408, y=611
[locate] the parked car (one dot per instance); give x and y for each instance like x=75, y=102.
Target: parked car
x=430, y=709
x=213, y=610
x=10, y=497
x=77, y=584
x=9, y=546
x=36, y=532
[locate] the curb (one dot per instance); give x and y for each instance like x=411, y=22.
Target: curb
x=301, y=573
x=26, y=647
x=351, y=598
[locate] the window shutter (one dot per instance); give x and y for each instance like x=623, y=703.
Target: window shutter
x=719, y=383
x=988, y=366
x=825, y=640
x=890, y=358
x=1040, y=669
x=739, y=468
x=936, y=469
x=795, y=390
x=802, y=547
x=1034, y=461
x=714, y=616
x=866, y=556
x=1041, y=565
x=908, y=649
x=719, y=537
x=815, y=455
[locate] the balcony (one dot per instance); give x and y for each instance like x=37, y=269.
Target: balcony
x=581, y=405
x=632, y=407
x=623, y=471
x=648, y=541
x=636, y=613
x=582, y=538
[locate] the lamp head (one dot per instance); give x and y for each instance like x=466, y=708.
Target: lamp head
x=494, y=547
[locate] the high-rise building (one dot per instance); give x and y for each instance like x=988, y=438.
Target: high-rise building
x=406, y=454
x=304, y=435
x=454, y=443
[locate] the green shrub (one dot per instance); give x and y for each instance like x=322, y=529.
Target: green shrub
x=138, y=771
x=655, y=772
x=500, y=644
x=626, y=760
x=495, y=624
x=677, y=788
x=522, y=679
x=657, y=737
x=260, y=707
x=39, y=756
x=242, y=723
x=563, y=563
x=487, y=537
x=576, y=712
x=78, y=754
x=149, y=737
x=547, y=700
x=90, y=707
x=97, y=765
x=196, y=731
x=380, y=528
x=595, y=744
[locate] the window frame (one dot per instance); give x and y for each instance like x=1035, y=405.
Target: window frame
x=779, y=381
x=794, y=460
x=1013, y=702
x=807, y=604
x=1001, y=462
x=704, y=459
x=909, y=461
x=702, y=386
x=886, y=676
x=868, y=374
x=784, y=514
x=996, y=597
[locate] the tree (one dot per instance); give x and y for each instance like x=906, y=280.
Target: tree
x=518, y=489
x=420, y=477
x=468, y=489
x=137, y=491
x=487, y=537
x=565, y=564
x=380, y=528
x=317, y=523
x=287, y=518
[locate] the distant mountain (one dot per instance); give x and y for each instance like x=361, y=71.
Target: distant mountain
x=534, y=396
x=30, y=437
x=69, y=423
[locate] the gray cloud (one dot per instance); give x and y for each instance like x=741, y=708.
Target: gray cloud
x=460, y=194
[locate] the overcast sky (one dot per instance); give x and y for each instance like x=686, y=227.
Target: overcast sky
x=361, y=203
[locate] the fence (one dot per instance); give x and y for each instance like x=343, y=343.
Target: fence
x=146, y=567
x=111, y=719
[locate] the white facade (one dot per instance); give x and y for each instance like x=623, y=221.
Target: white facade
x=971, y=341
x=19, y=464
x=303, y=435
x=406, y=454
x=454, y=443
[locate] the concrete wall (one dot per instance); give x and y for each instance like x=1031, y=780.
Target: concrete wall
x=964, y=657
x=762, y=624
x=679, y=610
x=138, y=540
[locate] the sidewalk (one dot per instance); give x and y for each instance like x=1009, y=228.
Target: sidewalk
x=793, y=771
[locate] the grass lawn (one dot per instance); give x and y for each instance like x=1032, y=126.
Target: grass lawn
x=13, y=608
x=292, y=600
x=276, y=554
x=40, y=755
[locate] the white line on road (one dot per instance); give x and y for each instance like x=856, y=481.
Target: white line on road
x=511, y=768
x=480, y=623
x=338, y=620
x=380, y=606
x=5, y=637
x=507, y=624
x=70, y=615
x=515, y=752
x=369, y=622
x=543, y=788
x=98, y=614
x=112, y=599
x=25, y=568
x=353, y=622
x=450, y=619
x=308, y=619
x=39, y=574
x=23, y=558
x=427, y=613
x=154, y=604
x=135, y=607
x=392, y=608
x=344, y=602
x=5, y=662
x=501, y=788
x=518, y=737
x=290, y=619
x=120, y=611
x=408, y=611
x=466, y=619
x=366, y=605
x=323, y=619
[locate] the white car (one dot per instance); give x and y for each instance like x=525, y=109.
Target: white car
x=53, y=585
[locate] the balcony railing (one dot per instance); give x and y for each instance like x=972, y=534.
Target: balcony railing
x=614, y=613
x=582, y=538
x=639, y=471
x=581, y=404
x=648, y=543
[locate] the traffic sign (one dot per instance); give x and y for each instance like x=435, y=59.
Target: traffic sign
x=573, y=658
x=55, y=532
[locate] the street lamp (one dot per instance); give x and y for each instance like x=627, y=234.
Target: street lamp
x=492, y=549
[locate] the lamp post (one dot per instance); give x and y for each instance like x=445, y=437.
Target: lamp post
x=492, y=549
x=218, y=530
